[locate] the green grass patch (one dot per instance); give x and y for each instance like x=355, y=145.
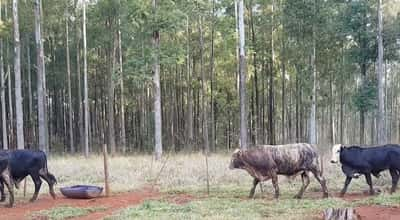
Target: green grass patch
x=65, y=212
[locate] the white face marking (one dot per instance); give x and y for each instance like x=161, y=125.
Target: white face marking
x=335, y=153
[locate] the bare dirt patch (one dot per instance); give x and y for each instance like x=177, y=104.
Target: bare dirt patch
x=378, y=212
x=23, y=210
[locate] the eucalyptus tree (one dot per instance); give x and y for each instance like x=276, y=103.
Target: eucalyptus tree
x=17, y=74
x=242, y=74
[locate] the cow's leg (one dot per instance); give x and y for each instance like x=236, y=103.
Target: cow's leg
x=49, y=178
x=306, y=180
x=369, y=181
x=3, y=195
x=346, y=184
x=274, y=178
x=317, y=174
x=253, y=189
x=38, y=182
x=395, y=179
x=7, y=180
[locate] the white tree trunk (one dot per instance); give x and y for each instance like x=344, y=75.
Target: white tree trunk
x=40, y=79
x=381, y=111
x=85, y=84
x=71, y=133
x=312, y=132
x=157, y=90
x=17, y=74
x=242, y=87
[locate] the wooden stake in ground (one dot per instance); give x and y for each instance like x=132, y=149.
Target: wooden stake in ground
x=208, y=176
x=106, y=174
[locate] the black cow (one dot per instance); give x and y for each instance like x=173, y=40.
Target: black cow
x=33, y=163
x=6, y=179
x=268, y=161
x=358, y=160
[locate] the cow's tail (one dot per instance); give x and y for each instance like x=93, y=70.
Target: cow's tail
x=51, y=177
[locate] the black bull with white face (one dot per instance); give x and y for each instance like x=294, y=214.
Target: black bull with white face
x=268, y=161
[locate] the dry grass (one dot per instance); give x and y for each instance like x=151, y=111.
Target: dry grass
x=182, y=172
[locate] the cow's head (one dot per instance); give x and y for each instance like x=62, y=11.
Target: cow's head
x=236, y=160
x=336, y=153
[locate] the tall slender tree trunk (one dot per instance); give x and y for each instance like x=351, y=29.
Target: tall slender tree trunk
x=342, y=96
x=157, y=90
x=242, y=87
x=381, y=105
x=283, y=89
x=271, y=111
x=85, y=84
x=189, y=115
x=255, y=105
x=206, y=146
x=110, y=103
x=121, y=84
x=40, y=79
x=312, y=132
x=297, y=111
x=78, y=72
x=10, y=105
x=331, y=110
x=2, y=92
x=17, y=74
x=31, y=121
x=212, y=73
x=71, y=133
x=237, y=45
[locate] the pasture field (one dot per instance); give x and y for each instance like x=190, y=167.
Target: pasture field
x=175, y=188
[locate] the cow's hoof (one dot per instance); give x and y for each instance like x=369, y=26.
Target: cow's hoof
x=341, y=195
x=32, y=200
x=326, y=195
x=297, y=196
x=9, y=205
x=3, y=199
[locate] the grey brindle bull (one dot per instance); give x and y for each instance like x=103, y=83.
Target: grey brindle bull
x=268, y=161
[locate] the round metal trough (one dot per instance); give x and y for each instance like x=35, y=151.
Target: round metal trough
x=81, y=191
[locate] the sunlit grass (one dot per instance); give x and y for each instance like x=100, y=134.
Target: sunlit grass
x=64, y=212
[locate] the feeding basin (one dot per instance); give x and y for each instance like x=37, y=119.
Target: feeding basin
x=81, y=191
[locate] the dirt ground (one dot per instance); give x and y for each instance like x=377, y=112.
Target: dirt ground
x=23, y=209
x=373, y=212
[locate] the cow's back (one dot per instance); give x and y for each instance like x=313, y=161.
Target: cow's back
x=290, y=159
x=21, y=161
x=366, y=159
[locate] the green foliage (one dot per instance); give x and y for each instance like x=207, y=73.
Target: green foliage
x=365, y=97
